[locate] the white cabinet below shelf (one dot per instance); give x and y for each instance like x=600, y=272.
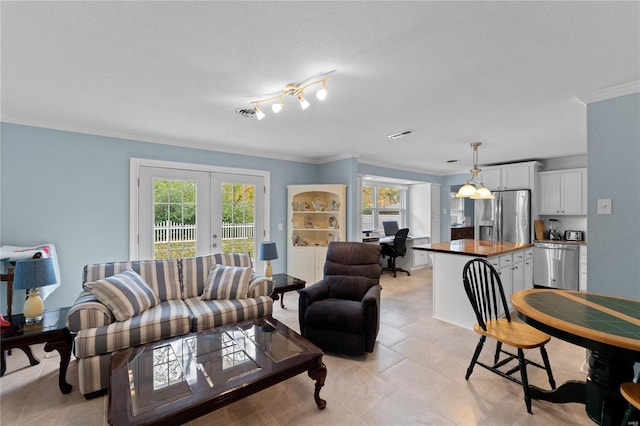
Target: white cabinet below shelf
x=563, y=192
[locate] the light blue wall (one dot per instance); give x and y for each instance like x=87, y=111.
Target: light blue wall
x=344, y=172
x=613, y=146
x=72, y=189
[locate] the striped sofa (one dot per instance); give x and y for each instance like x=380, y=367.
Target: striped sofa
x=178, y=283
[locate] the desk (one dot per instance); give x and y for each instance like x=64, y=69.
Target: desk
x=412, y=260
x=608, y=326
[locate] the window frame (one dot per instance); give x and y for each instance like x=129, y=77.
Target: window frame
x=375, y=210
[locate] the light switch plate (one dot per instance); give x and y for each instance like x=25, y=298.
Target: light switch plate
x=604, y=206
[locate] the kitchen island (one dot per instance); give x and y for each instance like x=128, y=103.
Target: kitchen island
x=513, y=261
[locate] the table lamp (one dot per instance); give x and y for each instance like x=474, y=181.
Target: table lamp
x=30, y=275
x=268, y=251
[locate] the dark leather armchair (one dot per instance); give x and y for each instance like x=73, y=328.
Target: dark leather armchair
x=341, y=313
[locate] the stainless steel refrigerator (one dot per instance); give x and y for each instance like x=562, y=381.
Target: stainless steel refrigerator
x=505, y=218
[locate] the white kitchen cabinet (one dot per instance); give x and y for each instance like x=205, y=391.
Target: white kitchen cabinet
x=582, y=280
x=516, y=272
x=491, y=178
x=528, y=268
x=421, y=259
x=563, y=192
x=510, y=176
x=316, y=216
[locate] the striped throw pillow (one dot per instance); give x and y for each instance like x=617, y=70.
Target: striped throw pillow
x=126, y=294
x=227, y=282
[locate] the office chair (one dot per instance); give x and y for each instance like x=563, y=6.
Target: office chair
x=484, y=289
x=397, y=249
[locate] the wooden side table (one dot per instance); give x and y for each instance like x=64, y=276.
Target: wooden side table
x=51, y=330
x=283, y=283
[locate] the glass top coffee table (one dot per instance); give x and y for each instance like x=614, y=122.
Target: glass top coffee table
x=177, y=380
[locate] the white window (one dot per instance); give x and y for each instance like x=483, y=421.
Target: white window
x=383, y=202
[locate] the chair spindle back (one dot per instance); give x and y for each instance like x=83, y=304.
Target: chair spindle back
x=484, y=289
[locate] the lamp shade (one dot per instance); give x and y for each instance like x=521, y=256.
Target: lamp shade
x=34, y=273
x=268, y=251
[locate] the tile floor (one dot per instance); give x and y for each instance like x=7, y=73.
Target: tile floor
x=414, y=376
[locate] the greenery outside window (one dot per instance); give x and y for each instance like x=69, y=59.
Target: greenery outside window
x=383, y=202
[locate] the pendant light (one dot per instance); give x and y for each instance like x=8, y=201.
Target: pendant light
x=474, y=188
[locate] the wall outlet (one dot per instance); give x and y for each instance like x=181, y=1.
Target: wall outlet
x=604, y=206
x=280, y=227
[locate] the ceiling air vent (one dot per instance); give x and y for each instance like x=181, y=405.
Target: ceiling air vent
x=246, y=112
x=400, y=134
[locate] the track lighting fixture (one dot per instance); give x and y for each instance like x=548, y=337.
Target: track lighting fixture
x=293, y=89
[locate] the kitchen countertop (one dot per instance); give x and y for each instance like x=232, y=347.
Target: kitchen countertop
x=476, y=248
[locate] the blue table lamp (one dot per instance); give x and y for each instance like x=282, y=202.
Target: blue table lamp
x=30, y=275
x=268, y=251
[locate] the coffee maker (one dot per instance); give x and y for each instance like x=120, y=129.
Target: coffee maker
x=554, y=233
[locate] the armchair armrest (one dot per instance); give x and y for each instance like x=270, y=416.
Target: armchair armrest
x=371, y=312
x=308, y=295
x=371, y=297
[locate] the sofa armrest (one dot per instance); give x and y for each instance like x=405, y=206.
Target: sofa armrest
x=308, y=295
x=87, y=312
x=259, y=285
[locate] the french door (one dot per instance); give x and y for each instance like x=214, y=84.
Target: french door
x=184, y=213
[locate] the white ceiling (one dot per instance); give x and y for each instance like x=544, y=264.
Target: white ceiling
x=504, y=73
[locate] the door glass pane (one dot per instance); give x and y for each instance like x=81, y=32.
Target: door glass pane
x=174, y=218
x=238, y=209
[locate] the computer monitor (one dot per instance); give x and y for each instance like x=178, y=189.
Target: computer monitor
x=390, y=228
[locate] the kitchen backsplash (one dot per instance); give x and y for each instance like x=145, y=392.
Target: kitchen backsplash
x=567, y=223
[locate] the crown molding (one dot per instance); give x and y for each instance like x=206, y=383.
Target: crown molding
x=338, y=157
x=610, y=92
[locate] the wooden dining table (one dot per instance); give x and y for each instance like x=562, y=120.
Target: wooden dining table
x=609, y=326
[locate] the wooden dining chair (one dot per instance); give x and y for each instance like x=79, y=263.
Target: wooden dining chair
x=631, y=392
x=484, y=289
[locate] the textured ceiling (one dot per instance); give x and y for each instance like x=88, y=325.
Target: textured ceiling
x=504, y=73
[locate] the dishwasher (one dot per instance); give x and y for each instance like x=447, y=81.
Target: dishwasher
x=555, y=265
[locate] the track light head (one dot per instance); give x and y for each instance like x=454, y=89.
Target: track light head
x=259, y=114
x=276, y=108
x=322, y=93
x=304, y=104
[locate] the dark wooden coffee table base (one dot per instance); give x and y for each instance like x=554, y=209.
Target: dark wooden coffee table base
x=208, y=382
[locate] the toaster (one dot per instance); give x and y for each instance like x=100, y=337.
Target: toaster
x=573, y=235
